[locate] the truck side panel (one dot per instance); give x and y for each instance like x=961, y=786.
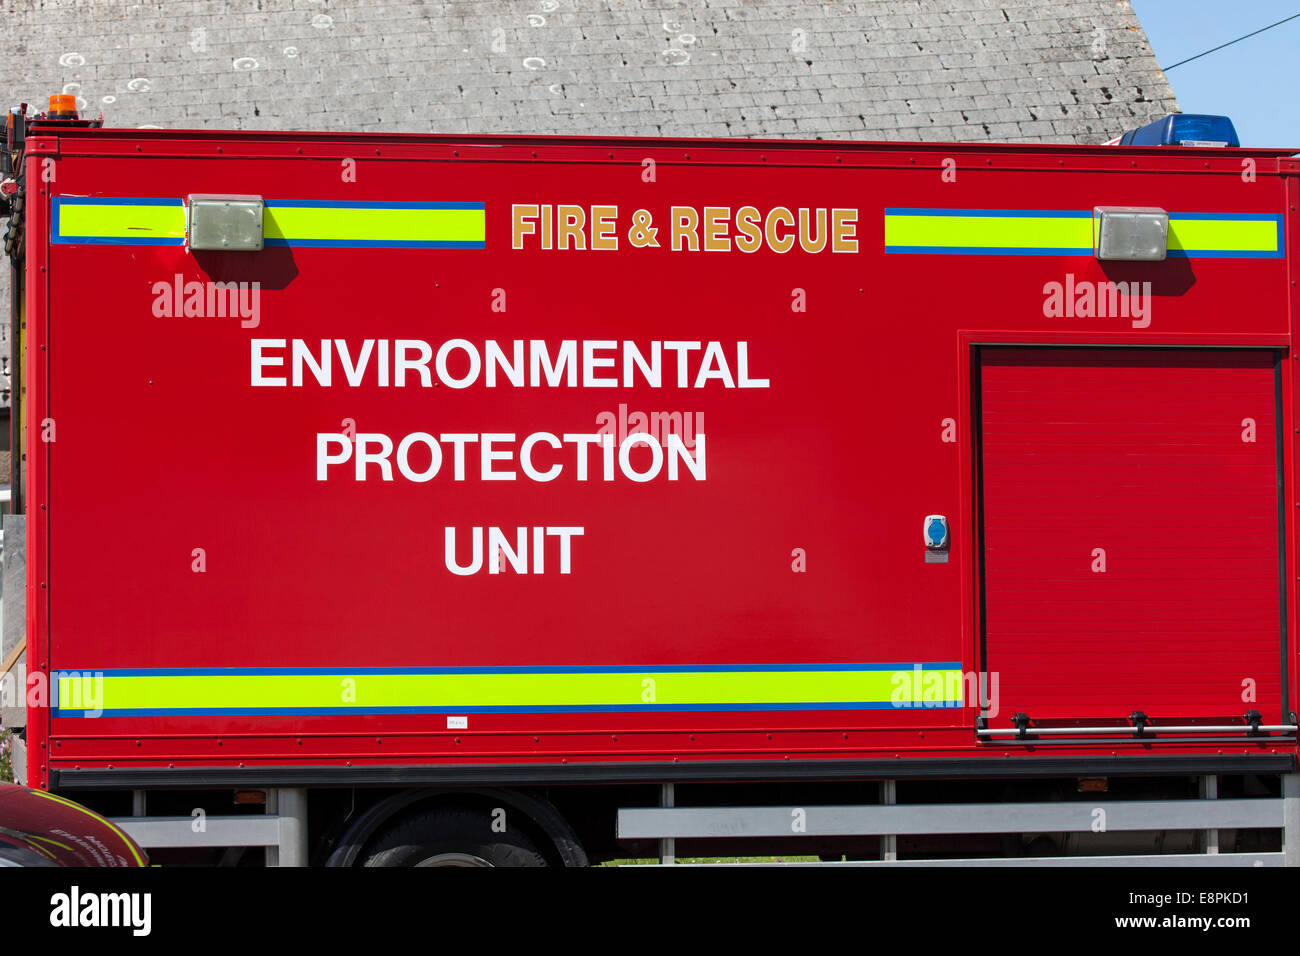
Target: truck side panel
x=779, y=603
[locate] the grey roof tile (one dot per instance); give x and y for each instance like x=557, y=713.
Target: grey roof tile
x=959, y=70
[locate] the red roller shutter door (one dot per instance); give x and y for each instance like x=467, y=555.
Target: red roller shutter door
x=1130, y=524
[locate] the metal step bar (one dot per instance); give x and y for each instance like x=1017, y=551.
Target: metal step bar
x=668, y=824
x=282, y=830
x=1134, y=860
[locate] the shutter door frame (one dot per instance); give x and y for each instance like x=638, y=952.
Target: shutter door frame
x=979, y=350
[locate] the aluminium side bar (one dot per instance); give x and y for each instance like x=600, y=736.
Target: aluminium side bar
x=1146, y=731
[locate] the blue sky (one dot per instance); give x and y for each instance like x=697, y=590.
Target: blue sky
x=1253, y=81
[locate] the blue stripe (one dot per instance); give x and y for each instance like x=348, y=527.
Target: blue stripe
x=366, y=204
x=1004, y=251
x=1068, y=214
x=460, y=711
x=115, y=201
x=337, y=243
x=381, y=243
x=1280, y=252
x=529, y=669
x=299, y=203
x=1225, y=254
x=1252, y=216
x=1009, y=213
x=988, y=251
x=58, y=240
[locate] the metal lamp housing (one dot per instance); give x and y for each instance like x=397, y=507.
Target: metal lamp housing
x=224, y=223
x=1130, y=233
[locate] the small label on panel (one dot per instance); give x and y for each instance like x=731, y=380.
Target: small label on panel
x=457, y=723
x=936, y=557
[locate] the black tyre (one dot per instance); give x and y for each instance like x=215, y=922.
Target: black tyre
x=452, y=836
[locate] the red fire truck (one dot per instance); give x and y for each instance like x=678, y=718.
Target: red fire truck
x=422, y=499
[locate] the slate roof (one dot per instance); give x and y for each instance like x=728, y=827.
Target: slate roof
x=1064, y=71
x=1027, y=71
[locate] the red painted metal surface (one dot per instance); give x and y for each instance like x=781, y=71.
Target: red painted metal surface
x=36, y=376
x=1131, y=539
x=163, y=446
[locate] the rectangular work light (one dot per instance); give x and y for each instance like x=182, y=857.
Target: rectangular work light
x=1130, y=233
x=224, y=223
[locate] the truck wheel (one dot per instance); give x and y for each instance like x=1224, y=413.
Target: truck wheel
x=451, y=836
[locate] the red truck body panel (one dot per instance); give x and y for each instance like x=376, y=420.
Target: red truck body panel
x=238, y=610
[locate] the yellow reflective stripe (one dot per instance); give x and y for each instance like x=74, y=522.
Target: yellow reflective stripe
x=120, y=221
x=309, y=692
x=1023, y=232
x=1223, y=235
x=432, y=224
x=1070, y=234
x=345, y=224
